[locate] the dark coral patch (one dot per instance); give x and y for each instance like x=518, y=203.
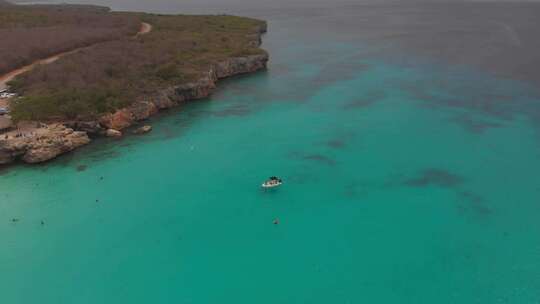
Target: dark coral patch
x=338, y=72
x=313, y=157
x=320, y=158
x=473, y=203
x=500, y=104
x=340, y=140
x=435, y=177
x=361, y=103
x=336, y=143
x=4, y=170
x=81, y=168
x=366, y=101
x=354, y=190
x=103, y=154
x=476, y=126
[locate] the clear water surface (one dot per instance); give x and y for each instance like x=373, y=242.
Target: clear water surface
x=410, y=177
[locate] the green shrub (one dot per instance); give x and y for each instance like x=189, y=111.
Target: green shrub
x=169, y=71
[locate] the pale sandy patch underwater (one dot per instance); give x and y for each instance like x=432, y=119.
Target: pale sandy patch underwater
x=406, y=181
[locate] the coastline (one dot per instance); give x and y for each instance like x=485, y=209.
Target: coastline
x=54, y=139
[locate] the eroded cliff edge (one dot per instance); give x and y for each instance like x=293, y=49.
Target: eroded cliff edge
x=174, y=96
x=47, y=141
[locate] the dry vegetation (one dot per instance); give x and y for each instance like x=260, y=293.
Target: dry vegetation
x=113, y=74
x=29, y=33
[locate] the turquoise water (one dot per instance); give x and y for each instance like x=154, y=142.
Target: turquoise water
x=405, y=182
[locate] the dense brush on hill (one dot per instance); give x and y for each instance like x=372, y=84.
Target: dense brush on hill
x=113, y=74
x=33, y=32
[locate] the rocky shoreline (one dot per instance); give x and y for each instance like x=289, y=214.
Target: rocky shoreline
x=47, y=141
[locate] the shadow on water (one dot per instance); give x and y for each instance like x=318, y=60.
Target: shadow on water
x=65, y=160
x=249, y=84
x=6, y=169
x=233, y=111
x=98, y=150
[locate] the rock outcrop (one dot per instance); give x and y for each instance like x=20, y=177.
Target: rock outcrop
x=40, y=144
x=143, y=130
x=113, y=133
x=90, y=127
x=121, y=119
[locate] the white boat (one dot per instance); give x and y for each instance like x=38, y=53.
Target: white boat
x=272, y=182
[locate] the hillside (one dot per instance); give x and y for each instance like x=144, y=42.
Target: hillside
x=34, y=32
x=132, y=66
x=112, y=75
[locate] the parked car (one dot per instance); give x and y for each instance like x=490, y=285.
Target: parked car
x=7, y=95
x=4, y=111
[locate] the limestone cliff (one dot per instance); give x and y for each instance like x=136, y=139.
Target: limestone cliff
x=174, y=96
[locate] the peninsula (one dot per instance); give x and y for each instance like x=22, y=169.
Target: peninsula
x=78, y=72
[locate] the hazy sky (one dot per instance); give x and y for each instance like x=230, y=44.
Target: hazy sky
x=206, y=6
x=218, y=5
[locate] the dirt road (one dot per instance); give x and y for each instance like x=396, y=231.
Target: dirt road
x=4, y=79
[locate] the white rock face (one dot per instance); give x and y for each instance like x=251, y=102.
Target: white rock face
x=40, y=144
x=143, y=130
x=113, y=133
